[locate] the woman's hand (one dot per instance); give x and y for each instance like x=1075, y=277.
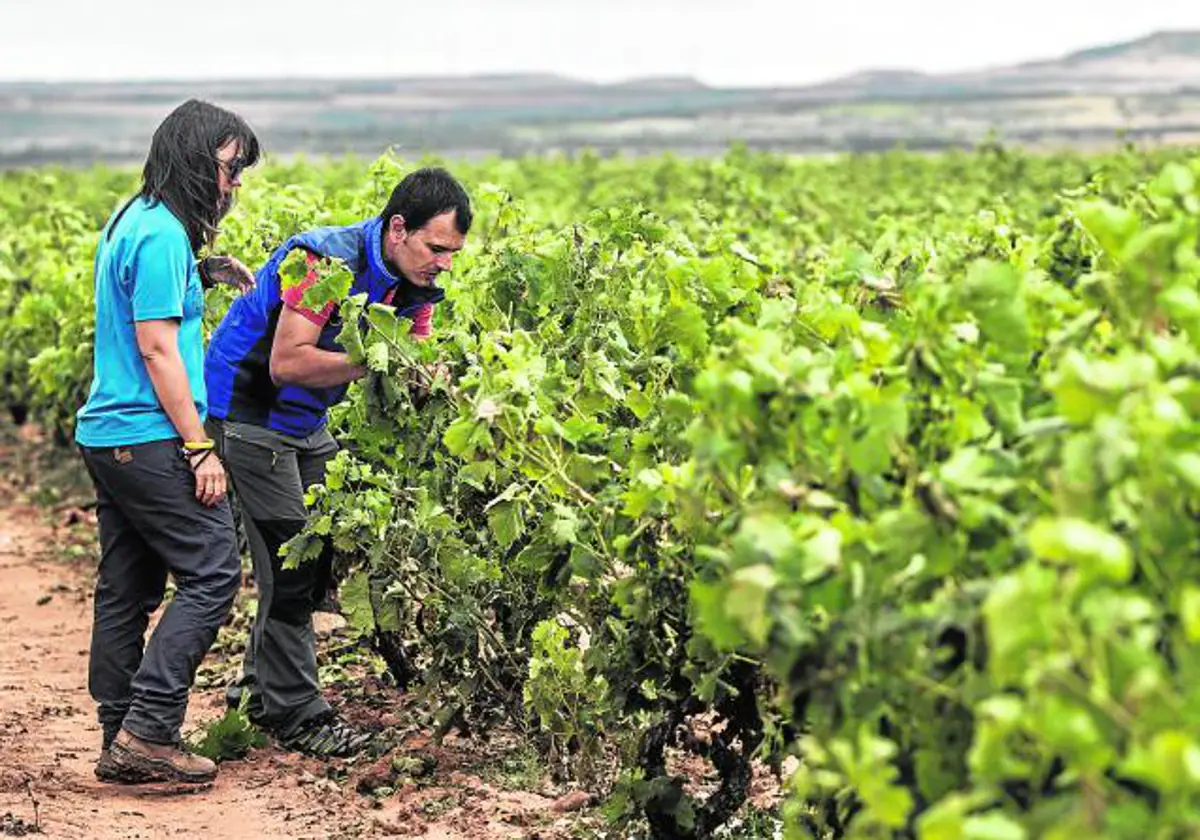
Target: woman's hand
x=227, y=271
x=210, y=477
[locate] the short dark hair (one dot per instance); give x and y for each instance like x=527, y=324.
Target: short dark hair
x=181, y=169
x=426, y=193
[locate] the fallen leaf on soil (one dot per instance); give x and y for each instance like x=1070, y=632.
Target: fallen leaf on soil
x=379, y=774
x=574, y=801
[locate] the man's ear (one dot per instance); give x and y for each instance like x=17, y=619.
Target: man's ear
x=397, y=226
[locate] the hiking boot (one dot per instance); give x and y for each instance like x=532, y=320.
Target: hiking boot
x=328, y=736
x=108, y=770
x=136, y=761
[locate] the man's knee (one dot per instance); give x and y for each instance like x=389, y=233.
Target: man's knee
x=295, y=595
x=294, y=592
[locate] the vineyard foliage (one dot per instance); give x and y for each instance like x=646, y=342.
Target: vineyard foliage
x=890, y=464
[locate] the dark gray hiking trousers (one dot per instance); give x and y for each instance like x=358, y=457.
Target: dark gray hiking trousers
x=270, y=473
x=151, y=525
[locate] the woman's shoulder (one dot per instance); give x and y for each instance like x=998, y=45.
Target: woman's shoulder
x=141, y=217
x=156, y=217
x=145, y=227
x=145, y=233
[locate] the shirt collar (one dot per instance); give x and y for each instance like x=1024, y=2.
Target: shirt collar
x=375, y=258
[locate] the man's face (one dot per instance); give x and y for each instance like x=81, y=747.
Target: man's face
x=424, y=253
x=229, y=173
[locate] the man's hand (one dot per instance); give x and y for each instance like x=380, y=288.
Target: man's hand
x=227, y=271
x=421, y=380
x=438, y=370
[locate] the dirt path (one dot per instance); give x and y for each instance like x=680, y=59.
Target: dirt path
x=49, y=737
x=49, y=740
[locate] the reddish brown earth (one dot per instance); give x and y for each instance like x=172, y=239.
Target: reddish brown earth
x=49, y=737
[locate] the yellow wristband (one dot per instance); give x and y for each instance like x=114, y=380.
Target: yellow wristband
x=198, y=445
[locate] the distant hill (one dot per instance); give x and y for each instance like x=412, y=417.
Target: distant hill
x=678, y=83
x=1163, y=62
x=1146, y=89
x=1155, y=44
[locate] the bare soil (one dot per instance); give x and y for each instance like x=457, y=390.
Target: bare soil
x=49, y=737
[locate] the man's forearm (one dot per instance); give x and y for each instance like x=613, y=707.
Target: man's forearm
x=174, y=392
x=312, y=367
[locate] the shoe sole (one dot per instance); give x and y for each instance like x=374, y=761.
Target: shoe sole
x=110, y=772
x=353, y=752
x=132, y=768
x=115, y=775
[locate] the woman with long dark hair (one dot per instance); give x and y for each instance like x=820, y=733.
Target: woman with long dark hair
x=160, y=487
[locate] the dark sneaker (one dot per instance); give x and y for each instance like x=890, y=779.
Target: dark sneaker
x=233, y=696
x=328, y=736
x=135, y=761
x=239, y=691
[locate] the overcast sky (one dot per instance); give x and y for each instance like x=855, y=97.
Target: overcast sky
x=730, y=42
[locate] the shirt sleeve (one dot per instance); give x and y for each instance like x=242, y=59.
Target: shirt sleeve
x=293, y=297
x=422, y=318
x=159, y=271
x=422, y=322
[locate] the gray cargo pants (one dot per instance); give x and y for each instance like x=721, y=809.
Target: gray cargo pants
x=152, y=525
x=270, y=472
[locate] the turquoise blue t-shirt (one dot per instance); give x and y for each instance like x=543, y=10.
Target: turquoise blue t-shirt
x=144, y=271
